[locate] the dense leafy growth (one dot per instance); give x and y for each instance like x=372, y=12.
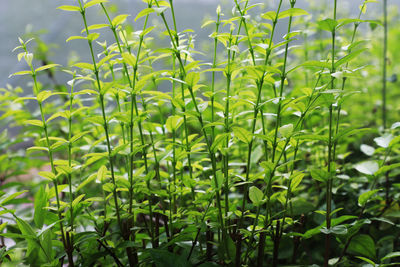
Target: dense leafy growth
x=255, y=150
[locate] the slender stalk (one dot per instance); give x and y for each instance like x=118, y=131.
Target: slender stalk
x=330, y=147
x=105, y=126
x=71, y=194
x=356, y=25
x=173, y=149
x=238, y=31
x=66, y=244
x=214, y=64
x=243, y=20
x=260, y=84
x=269, y=176
x=281, y=86
x=226, y=115
x=372, y=187
x=175, y=43
x=134, y=110
x=182, y=75
x=384, y=67
x=117, y=97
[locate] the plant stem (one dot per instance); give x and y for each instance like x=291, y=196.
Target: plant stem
x=182, y=75
x=374, y=183
x=268, y=190
x=226, y=115
x=67, y=247
x=105, y=126
x=356, y=25
x=175, y=43
x=384, y=68
x=134, y=107
x=214, y=64
x=256, y=110
x=71, y=195
x=330, y=146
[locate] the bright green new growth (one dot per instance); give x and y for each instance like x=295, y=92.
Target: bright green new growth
x=162, y=154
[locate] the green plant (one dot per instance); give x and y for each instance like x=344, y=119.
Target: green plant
x=159, y=154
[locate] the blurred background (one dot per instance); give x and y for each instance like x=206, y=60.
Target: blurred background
x=27, y=18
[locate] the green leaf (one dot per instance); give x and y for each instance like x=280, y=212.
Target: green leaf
x=129, y=58
x=366, y=260
x=76, y=38
x=45, y=67
x=296, y=179
x=77, y=200
x=218, y=181
x=384, y=169
x=256, y=195
x=96, y=120
x=367, y=167
x=48, y=175
x=57, y=115
x=350, y=131
x=93, y=36
x=35, y=123
x=150, y=175
x=343, y=22
x=43, y=95
x=25, y=228
x=65, y=170
x=144, y=12
x=192, y=78
x=328, y=24
x=242, y=134
x=119, y=19
x=52, y=192
x=391, y=255
x=39, y=204
x=90, y=179
x=394, y=141
x=349, y=57
x=219, y=141
x=293, y=12
x=94, y=2
x=271, y=15
x=362, y=245
x=207, y=22
x=268, y=166
x=19, y=73
x=119, y=148
x=37, y=148
x=320, y=174
x=3, y=226
x=105, y=59
x=84, y=65
x=364, y=197
x=173, y=123
x=10, y=196
x=312, y=137
x=70, y=8
x=147, y=31
x=286, y=130
x=95, y=27
x=102, y=174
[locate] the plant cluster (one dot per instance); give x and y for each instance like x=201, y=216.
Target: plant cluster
x=247, y=153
